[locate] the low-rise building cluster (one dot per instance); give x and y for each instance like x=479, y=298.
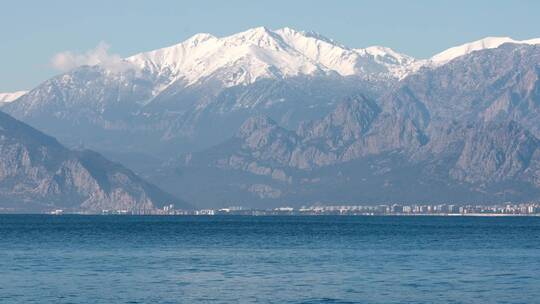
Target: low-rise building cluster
x=383, y=209
x=426, y=209
x=508, y=209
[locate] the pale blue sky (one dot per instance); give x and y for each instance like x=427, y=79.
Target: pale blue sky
x=31, y=32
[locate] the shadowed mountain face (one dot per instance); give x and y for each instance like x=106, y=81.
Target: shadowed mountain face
x=465, y=131
x=39, y=174
x=348, y=158
x=276, y=117
x=490, y=85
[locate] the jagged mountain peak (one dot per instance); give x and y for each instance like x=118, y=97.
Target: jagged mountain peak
x=248, y=56
x=261, y=37
x=261, y=131
x=256, y=123
x=308, y=34
x=200, y=38
x=387, y=54
x=263, y=53
x=349, y=121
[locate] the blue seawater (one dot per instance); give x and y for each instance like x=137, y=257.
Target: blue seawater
x=235, y=259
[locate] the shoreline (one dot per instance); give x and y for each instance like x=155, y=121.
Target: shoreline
x=286, y=215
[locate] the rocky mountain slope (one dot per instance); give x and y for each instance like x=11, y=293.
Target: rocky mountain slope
x=276, y=116
x=469, y=128
x=39, y=174
x=344, y=157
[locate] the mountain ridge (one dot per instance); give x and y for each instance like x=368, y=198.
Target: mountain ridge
x=290, y=115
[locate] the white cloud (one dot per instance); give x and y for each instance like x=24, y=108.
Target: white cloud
x=65, y=61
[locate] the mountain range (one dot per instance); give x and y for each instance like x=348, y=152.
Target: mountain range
x=272, y=117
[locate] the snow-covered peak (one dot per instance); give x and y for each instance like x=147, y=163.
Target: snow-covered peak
x=9, y=97
x=398, y=65
x=325, y=52
x=287, y=31
x=199, y=38
x=385, y=54
x=259, y=36
x=241, y=58
x=467, y=48
x=258, y=53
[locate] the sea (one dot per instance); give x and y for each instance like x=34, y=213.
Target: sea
x=274, y=259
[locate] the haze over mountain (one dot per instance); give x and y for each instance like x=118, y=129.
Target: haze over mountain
x=266, y=117
x=39, y=174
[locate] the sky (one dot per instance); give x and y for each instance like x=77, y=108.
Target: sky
x=32, y=33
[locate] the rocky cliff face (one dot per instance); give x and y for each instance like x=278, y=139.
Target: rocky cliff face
x=498, y=152
x=483, y=151
x=356, y=128
x=39, y=174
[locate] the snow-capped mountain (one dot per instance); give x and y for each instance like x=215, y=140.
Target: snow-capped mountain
x=464, y=131
x=428, y=113
x=203, y=88
x=9, y=97
x=210, y=85
x=482, y=44
x=261, y=53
